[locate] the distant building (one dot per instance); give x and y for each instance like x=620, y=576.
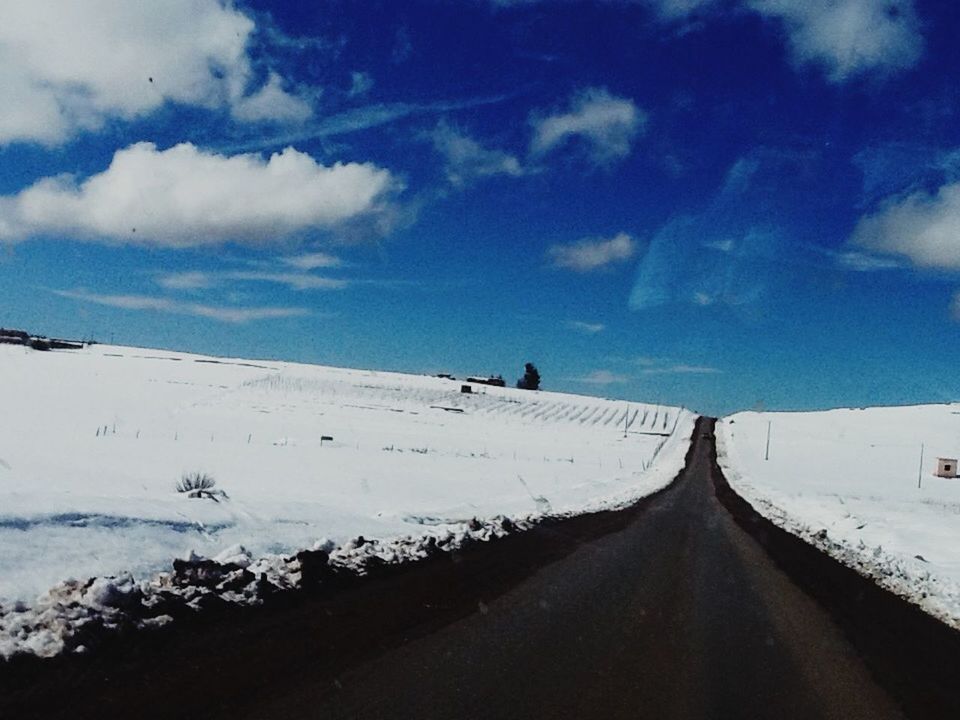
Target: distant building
x=946, y=467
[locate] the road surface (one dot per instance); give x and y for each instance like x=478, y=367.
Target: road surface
x=669, y=610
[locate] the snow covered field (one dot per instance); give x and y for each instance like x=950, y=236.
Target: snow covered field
x=847, y=481
x=93, y=442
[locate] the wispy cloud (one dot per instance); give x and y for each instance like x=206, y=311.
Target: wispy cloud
x=236, y=315
x=356, y=120
x=955, y=306
x=602, y=377
x=198, y=280
x=647, y=365
x=680, y=370
x=312, y=261
x=360, y=83
x=295, y=281
x=606, y=123
x=592, y=254
x=188, y=280
x=586, y=328
x=466, y=159
x=865, y=262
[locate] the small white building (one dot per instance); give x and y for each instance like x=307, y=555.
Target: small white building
x=946, y=467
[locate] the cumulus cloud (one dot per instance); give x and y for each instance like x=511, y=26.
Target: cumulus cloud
x=184, y=196
x=70, y=66
x=923, y=227
x=593, y=253
x=466, y=159
x=165, y=305
x=848, y=37
x=586, y=328
x=606, y=123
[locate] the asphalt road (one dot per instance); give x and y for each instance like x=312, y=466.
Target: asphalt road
x=679, y=615
x=670, y=609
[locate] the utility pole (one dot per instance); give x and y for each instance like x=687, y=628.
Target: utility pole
x=766, y=454
x=626, y=417
x=920, y=469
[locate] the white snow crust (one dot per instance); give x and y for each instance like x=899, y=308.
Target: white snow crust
x=93, y=442
x=847, y=482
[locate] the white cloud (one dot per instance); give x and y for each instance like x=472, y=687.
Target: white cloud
x=608, y=124
x=586, y=328
x=189, y=280
x=593, y=254
x=466, y=159
x=272, y=103
x=923, y=227
x=69, y=66
x=602, y=377
x=312, y=261
x=848, y=37
x=196, y=280
x=145, y=302
x=184, y=196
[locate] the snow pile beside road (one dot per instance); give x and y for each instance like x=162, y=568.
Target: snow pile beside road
x=72, y=615
x=93, y=442
x=846, y=481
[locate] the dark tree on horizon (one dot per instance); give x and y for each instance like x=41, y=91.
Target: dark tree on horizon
x=530, y=379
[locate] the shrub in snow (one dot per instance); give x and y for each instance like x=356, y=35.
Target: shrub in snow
x=199, y=485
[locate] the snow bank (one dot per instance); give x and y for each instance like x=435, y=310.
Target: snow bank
x=846, y=481
x=93, y=442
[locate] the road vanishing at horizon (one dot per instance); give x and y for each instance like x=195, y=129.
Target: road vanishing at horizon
x=679, y=615
x=667, y=610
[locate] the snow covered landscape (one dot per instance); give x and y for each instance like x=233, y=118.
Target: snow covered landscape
x=851, y=482
x=94, y=442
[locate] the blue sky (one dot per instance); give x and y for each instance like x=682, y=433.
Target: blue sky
x=724, y=204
